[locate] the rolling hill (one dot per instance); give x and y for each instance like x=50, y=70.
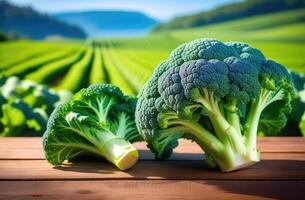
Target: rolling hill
x=26, y=22
x=94, y=22
x=281, y=36
x=229, y=12
x=281, y=26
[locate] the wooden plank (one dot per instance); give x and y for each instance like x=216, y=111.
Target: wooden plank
x=285, y=166
x=21, y=148
x=281, y=144
x=225, y=190
x=31, y=148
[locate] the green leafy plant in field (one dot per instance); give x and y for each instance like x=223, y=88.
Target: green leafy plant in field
x=297, y=117
x=219, y=95
x=25, y=107
x=100, y=121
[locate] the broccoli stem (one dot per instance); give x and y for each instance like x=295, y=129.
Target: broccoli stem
x=206, y=139
x=252, y=122
x=119, y=152
x=256, y=108
x=223, y=129
x=224, y=155
x=232, y=116
x=112, y=146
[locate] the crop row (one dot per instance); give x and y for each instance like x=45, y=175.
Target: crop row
x=77, y=76
x=48, y=72
x=31, y=65
x=73, y=67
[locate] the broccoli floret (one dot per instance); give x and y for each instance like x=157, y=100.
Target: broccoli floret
x=213, y=93
x=99, y=120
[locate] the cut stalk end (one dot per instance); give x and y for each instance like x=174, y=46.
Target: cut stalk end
x=240, y=162
x=121, y=153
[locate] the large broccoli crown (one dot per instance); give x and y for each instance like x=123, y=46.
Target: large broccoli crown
x=99, y=120
x=224, y=68
x=207, y=77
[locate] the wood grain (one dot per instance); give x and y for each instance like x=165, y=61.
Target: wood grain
x=285, y=166
x=25, y=174
x=31, y=148
x=225, y=190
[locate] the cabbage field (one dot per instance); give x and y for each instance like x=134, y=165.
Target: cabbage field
x=128, y=63
x=124, y=63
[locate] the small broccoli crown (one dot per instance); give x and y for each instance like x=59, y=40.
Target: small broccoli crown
x=244, y=82
x=171, y=90
x=98, y=120
x=201, y=74
x=99, y=89
x=274, y=74
x=247, y=53
x=101, y=100
x=276, y=79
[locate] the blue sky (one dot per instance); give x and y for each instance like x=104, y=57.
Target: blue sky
x=161, y=9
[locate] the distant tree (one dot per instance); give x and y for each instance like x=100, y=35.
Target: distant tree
x=3, y=37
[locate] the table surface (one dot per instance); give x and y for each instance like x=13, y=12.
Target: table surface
x=25, y=174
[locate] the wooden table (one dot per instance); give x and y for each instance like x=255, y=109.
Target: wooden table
x=25, y=174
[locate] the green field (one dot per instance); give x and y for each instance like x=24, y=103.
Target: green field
x=128, y=63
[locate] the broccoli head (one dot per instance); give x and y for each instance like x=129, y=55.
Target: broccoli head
x=99, y=120
x=215, y=94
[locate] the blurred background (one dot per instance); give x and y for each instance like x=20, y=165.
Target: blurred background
x=70, y=44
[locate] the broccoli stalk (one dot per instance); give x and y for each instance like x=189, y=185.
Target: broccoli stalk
x=272, y=92
x=99, y=120
x=214, y=94
x=112, y=146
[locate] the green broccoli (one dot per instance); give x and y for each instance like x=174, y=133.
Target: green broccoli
x=214, y=93
x=298, y=108
x=34, y=94
x=25, y=106
x=18, y=118
x=99, y=120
